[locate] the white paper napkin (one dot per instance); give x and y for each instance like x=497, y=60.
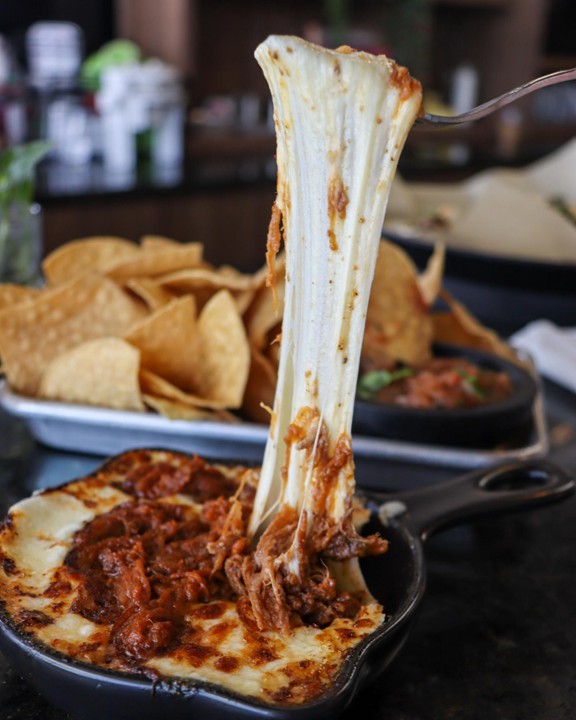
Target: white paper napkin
x=553, y=349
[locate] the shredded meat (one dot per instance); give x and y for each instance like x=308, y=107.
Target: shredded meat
x=273, y=243
x=342, y=542
x=286, y=580
x=143, y=564
x=191, y=476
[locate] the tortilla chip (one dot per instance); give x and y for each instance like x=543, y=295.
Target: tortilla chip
x=259, y=389
x=243, y=299
x=151, y=294
x=100, y=372
x=224, y=351
x=79, y=257
x=460, y=327
x=11, y=295
x=430, y=281
x=32, y=334
x=169, y=343
x=398, y=324
x=154, y=261
x=174, y=410
x=194, y=279
x=272, y=351
x=262, y=316
x=156, y=386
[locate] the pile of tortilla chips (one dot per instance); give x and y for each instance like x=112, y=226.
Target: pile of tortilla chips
x=404, y=318
x=154, y=327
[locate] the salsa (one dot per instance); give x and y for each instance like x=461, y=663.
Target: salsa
x=449, y=383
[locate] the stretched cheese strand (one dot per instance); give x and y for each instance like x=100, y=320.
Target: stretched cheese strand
x=341, y=120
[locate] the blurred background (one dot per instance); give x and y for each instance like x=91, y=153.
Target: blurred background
x=160, y=122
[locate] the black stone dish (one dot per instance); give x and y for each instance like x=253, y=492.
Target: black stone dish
x=484, y=426
x=397, y=579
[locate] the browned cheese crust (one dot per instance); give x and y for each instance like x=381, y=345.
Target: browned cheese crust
x=134, y=568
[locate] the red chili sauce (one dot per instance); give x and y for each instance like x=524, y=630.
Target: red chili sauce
x=439, y=383
x=143, y=563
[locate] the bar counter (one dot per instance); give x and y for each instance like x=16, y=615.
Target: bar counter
x=495, y=636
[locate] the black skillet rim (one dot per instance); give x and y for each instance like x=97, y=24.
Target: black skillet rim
x=338, y=696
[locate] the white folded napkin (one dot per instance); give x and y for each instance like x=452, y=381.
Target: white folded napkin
x=553, y=349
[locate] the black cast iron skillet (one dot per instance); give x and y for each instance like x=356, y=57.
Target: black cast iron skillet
x=397, y=579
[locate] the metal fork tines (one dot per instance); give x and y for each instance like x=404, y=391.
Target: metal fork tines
x=429, y=120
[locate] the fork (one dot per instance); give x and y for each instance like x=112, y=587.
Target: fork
x=429, y=120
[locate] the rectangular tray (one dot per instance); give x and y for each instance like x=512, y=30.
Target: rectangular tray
x=100, y=431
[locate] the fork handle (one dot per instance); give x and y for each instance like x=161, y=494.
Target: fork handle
x=492, y=105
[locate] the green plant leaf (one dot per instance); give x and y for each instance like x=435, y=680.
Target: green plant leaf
x=17, y=176
x=17, y=167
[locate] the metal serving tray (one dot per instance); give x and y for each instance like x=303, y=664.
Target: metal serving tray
x=100, y=431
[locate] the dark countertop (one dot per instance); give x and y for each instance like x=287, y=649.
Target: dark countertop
x=495, y=636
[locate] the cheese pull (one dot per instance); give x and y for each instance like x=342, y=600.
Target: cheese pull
x=341, y=120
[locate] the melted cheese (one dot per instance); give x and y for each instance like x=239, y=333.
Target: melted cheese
x=341, y=120
x=265, y=665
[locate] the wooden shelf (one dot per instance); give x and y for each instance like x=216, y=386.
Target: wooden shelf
x=540, y=134
x=474, y=4
x=553, y=63
x=212, y=143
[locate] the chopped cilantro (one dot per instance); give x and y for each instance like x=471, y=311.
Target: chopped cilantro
x=374, y=380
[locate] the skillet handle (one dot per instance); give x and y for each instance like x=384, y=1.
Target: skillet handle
x=511, y=486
